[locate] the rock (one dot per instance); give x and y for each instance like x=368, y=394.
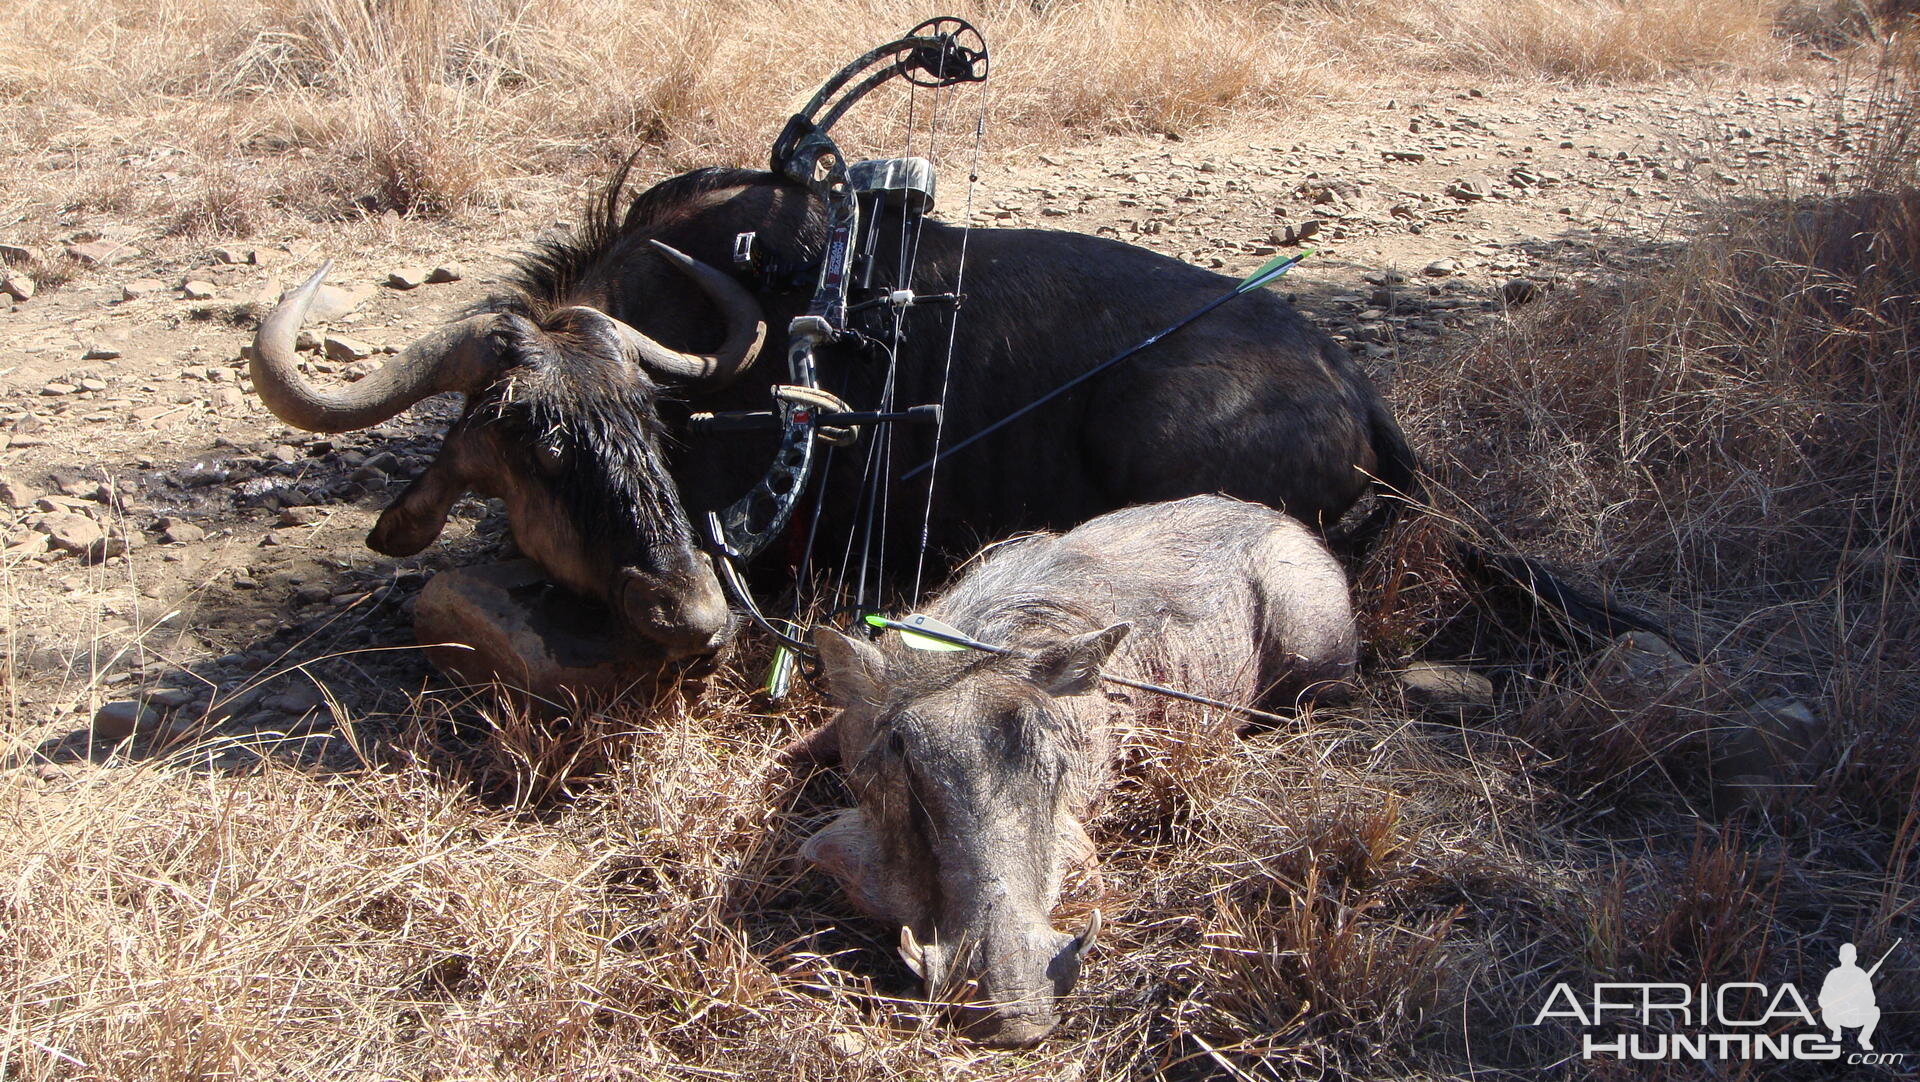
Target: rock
x=1518, y=291
x=1404, y=155
x=18, y=286
x=141, y=287
x=1639, y=667
x=197, y=291
x=409, y=278
x=300, y=516
x=1441, y=268
x=506, y=622
x=102, y=253
x=116, y=721
x=176, y=532
x=446, y=272
x=296, y=700
x=307, y=341
x=19, y=254
x=1468, y=189
x=233, y=256
x=99, y=351
x=333, y=302
x=1767, y=751
x=228, y=399
x=16, y=493
x=341, y=348
x=1446, y=687
x=70, y=531
x=167, y=698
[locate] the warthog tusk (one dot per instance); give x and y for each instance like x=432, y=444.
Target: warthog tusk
x=1088, y=938
x=912, y=953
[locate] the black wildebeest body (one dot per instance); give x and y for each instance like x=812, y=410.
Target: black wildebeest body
x=575, y=421
x=973, y=772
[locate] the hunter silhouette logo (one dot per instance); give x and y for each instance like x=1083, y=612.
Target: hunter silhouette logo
x=1739, y=1020
x=1846, y=997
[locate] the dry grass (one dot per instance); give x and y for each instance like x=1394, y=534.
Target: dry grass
x=223, y=118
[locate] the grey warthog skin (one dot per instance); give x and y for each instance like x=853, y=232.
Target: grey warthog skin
x=974, y=772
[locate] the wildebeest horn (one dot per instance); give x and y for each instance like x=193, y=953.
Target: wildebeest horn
x=746, y=330
x=454, y=357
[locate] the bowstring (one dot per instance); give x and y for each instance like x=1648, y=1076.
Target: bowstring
x=953, y=331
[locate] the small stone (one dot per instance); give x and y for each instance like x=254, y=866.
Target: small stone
x=102, y=253
x=1518, y=291
x=70, y=531
x=18, y=254
x=16, y=493
x=446, y=272
x=1447, y=687
x=300, y=516
x=846, y=1044
x=527, y=634
x=182, y=533
x=18, y=286
x=141, y=287
x=197, y=291
x=307, y=341
x=409, y=278
x=334, y=302
x=99, y=351
x=167, y=698
x=342, y=348
x=228, y=399
x=312, y=593
x=1405, y=155
x=116, y=721
x=233, y=256
x=1441, y=268
x=1468, y=189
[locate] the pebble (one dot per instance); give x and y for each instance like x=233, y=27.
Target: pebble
x=1519, y=291
x=228, y=399
x=20, y=253
x=140, y=287
x=16, y=493
x=18, y=286
x=123, y=718
x=410, y=278
x=197, y=291
x=1441, y=268
x=102, y=253
x=334, y=302
x=1448, y=687
x=182, y=533
x=446, y=272
x=342, y=348
x=235, y=255
x=70, y=531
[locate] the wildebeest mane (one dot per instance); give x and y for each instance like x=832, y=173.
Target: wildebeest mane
x=548, y=272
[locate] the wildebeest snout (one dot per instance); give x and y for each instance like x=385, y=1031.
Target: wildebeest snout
x=681, y=608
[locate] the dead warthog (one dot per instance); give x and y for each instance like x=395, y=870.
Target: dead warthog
x=974, y=771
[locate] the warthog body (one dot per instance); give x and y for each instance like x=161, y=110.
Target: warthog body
x=975, y=771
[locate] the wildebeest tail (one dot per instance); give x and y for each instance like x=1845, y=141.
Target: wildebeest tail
x=1583, y=612
x=1396, y=480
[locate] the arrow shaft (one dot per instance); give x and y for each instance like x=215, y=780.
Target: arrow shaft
x=1884, y=957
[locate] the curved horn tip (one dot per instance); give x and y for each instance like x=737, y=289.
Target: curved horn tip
x=671, y=252
x=911, y=952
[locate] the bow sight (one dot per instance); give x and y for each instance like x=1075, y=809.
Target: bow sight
x=940, y=52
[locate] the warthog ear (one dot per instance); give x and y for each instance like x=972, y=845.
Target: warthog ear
x=1072, y=667
x=856, y=670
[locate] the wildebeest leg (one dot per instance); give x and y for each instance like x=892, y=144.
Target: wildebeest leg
x=416, y=517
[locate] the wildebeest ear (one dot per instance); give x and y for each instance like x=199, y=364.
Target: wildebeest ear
x=856, y=670
x=419, y=513
x=1072, y=667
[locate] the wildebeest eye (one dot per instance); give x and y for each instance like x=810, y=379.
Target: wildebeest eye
x=550, y=455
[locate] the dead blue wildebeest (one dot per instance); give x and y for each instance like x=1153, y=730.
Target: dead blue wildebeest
x=974, y=772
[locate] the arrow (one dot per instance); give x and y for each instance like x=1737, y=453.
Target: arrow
x=925, y=633
x=1272, y=270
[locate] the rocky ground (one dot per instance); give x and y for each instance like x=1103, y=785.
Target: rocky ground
x=178, y=562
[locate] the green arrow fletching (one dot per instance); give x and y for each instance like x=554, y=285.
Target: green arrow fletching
x=1271, y=269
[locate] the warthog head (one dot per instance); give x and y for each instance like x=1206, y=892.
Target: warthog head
x=966, y=768
x=560, y=424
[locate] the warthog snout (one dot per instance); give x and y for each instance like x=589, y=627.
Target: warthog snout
x=1005, y=990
